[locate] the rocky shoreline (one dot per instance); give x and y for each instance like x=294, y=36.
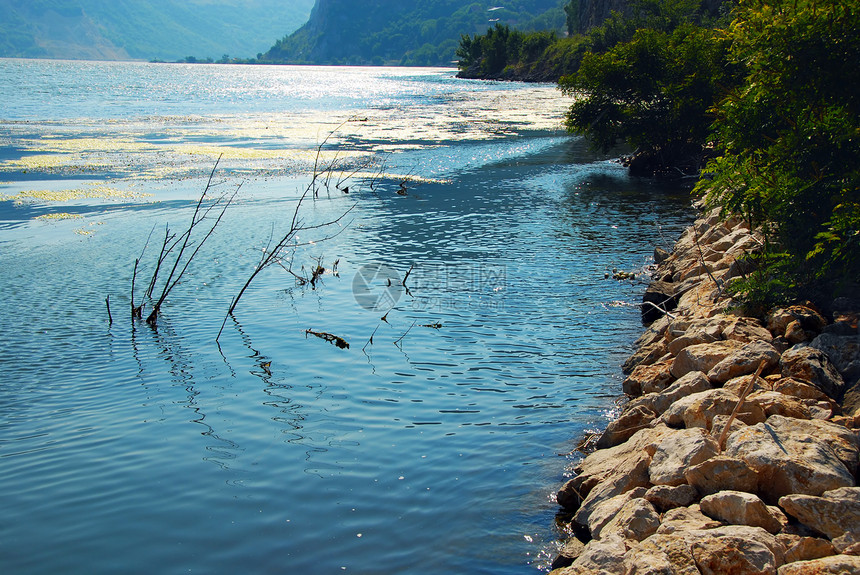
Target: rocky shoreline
x=738, y=451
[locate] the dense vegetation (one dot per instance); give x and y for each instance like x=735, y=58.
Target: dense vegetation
x=768, y=97
x=788, y=137
x=759, y=102
x=144, y=29
x=403, y=32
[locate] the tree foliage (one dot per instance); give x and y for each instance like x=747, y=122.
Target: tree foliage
x=652, y=93
x=770, y=95
x=789, y=143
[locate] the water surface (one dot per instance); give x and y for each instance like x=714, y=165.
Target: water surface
x=433, y=444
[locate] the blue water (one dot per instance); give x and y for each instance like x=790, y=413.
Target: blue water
x=433, y=444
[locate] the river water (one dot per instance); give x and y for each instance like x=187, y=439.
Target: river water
x=434, y=443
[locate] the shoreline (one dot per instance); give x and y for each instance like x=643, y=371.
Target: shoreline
x=738, y=450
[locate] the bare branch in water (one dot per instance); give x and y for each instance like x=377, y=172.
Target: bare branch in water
x=333, y=339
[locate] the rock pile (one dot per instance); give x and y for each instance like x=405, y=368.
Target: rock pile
x=739, y=450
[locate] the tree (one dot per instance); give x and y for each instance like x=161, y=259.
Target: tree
x=652, y=93
x=789, y=142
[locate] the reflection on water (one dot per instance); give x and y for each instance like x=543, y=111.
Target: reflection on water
x=432, y=441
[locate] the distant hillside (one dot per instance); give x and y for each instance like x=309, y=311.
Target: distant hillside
x=404, y=32
x=145, y=29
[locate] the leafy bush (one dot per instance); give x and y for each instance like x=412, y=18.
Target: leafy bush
x=789, y=142
x=652, y=93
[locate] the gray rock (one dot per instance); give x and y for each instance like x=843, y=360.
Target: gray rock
x=601, y=555
x=800, y=548
x=572, y=549
x=653, y=377
x=746, y=329
x=778, y=319
x=843, y=351
x=604, y=511
x=738, y=549
x=727, y=550
x=621, y=460
x=812, y=365
x=707, y=332
x=844, y=442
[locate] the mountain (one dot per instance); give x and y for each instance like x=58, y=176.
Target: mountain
x=145, y=29
x=404, y=32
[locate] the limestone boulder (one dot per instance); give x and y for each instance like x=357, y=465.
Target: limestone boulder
x=795, y=333
x=620, y=461
x=775, y=403
x=738, y=384
x=629, y=422
x=726, y=550
x=843, y=352
x=645, y=355
x=618, y=484
x=844, y=442
x=636, y=520
x=813, y=366
x=834, y=565
x=834, y=514
x=699, y=409
x=788, y=462
x=692, y=382
x=677, y=452
x=707, y=331
x=800, y=548
x=722, y=472
x=719, y=423
x=851, y=401
x=653, y=377
x=799, y=389
x=571, y=549
x=809, y=319
x=746, y=329
x=702, y=357
x=745, y=361
x=604, y=511
x=600, y=556
x=685, y=519
x=666, y=497
x=661, y=554
x=737, y=550
x=741, y=508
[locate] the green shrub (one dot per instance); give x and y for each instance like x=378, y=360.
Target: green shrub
x=789, y=141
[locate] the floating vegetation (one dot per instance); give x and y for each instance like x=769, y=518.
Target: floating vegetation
x=59, y=216
x=92, y=191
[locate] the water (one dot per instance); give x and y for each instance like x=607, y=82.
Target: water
x=432, y=444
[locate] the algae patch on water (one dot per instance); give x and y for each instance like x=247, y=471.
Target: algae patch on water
x=92, y=191
x=59, y=216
